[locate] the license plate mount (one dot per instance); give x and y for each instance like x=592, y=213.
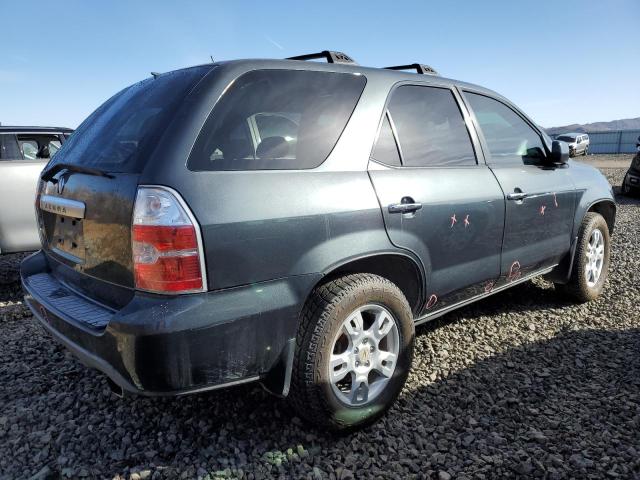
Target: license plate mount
x=67, y=238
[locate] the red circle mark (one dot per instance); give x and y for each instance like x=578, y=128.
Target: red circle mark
x=514, y=271
x=433, y=299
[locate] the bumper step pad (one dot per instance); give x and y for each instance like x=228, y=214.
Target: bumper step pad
x=56, y=295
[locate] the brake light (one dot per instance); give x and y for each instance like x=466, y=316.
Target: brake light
x=167, y=252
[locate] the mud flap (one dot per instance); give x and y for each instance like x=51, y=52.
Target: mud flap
x=562, y=273
x=278, y=380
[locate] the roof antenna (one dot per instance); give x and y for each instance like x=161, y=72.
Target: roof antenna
x=212, y=60
x=155, y=74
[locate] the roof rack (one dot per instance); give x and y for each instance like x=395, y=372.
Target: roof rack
x=330, y=56
x=418, y=67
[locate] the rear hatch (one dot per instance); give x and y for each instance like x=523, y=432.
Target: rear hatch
x=87, y=192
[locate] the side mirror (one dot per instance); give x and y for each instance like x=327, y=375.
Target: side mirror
x=559, y=152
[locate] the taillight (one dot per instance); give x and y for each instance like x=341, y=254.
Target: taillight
x=167, y=251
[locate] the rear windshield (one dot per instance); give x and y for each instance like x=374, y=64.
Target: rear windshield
x=120, y=135
x=277, y=119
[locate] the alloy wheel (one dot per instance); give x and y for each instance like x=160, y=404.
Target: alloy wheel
x=595, y=258
x=364, y=355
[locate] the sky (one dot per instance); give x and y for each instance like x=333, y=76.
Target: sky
x=562, y=62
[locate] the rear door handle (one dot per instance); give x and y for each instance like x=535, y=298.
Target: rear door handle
x=516, y=195
x=406, y=205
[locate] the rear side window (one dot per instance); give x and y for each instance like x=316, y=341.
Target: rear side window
x=430, y=127
x=508, y=136
x=121, y=134
x=9, y=149
x=277, y=119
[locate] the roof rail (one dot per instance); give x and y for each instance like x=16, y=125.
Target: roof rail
x=330, y=56
x=418, y=67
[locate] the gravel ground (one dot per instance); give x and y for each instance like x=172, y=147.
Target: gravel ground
x=604, y=161
x=521, y=384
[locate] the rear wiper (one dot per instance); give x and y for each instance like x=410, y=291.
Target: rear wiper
x=48, y=174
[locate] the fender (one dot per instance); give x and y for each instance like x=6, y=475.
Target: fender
x=562, y=273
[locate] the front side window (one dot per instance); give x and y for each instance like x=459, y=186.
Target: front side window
x=430, y=127
x=508, y=136
x=54, y=146
x=277, y=119
x=9, y=149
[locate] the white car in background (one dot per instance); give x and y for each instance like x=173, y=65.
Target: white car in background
x=578, y=143
x=24, y=151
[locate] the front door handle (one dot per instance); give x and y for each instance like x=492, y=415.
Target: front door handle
x=516, y=195
x=406, y=205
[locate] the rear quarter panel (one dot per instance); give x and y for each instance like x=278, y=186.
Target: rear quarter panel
x=262, y=225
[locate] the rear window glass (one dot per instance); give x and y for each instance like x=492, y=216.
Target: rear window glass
x=277, y=119
x=120, y=135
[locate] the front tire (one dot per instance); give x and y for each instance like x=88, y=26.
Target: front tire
x=353, y=352
x=591, y=260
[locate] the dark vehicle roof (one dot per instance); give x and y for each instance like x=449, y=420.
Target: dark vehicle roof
x=24, y=129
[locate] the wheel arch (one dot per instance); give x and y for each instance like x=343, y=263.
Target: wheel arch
x=606, y=208
x=401, y=269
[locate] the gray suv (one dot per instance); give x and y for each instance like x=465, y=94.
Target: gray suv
x=290, y=223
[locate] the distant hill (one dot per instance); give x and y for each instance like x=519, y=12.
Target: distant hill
x=626, y=124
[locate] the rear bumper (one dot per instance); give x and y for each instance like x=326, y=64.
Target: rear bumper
x=171, y=345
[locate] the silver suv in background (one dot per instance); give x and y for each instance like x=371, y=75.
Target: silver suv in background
x=578, y=143
x=24, y=151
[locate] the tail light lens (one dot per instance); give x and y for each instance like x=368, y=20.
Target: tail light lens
x=167, y=251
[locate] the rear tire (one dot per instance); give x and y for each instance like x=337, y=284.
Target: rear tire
x=345, y=373
x=591, y=260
